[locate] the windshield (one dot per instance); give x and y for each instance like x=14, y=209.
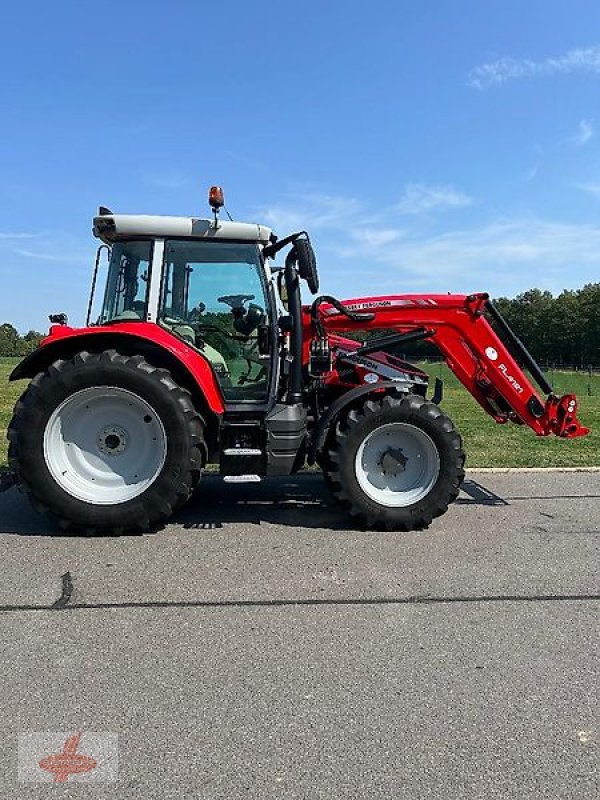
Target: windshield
x=125, y=298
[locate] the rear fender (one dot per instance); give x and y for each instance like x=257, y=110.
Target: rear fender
x=189, y=368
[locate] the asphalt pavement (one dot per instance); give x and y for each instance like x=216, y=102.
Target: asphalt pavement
x=259, y=648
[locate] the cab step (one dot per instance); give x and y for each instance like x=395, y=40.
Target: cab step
x=244, y=445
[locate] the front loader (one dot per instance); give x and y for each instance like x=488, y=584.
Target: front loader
x=202, y=353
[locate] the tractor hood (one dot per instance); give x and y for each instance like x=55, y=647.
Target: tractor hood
x=114, y=227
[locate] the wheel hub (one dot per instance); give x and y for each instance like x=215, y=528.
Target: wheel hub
x=112, y=440
x=397, y=464
x=393, y=461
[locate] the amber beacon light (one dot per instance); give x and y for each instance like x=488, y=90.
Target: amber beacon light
x=216, y=198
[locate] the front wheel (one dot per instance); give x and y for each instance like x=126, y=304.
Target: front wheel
x=106, y=443
x=394, y=463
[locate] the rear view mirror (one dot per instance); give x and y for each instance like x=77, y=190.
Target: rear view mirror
x=307, y=263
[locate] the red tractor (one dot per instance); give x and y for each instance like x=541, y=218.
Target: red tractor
x=203, y=353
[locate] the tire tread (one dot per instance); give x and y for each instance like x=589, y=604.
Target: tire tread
x=414, y=409
x=157, y=508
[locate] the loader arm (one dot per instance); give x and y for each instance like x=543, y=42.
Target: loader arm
x=484, y=361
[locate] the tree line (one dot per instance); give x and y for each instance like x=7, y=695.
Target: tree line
x=13, y=344
x=562, y=330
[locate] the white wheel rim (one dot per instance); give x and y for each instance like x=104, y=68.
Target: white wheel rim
x=397, y=465
x=104, y=445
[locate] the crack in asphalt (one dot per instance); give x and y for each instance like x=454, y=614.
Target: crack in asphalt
x=63, y=603
x=67, y=592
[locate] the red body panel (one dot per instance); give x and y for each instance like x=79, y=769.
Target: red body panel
x=472, y=350
x=385, y=365
x=194, y=362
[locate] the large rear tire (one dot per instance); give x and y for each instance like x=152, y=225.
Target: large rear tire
x=106, y=443
x=394, y=463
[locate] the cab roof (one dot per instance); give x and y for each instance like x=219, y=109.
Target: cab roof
x=114, y=227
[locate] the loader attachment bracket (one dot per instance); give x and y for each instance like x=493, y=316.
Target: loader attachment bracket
x=561, y=416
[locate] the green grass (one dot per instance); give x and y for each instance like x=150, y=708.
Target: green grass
x=9, y=393
x=486, y=443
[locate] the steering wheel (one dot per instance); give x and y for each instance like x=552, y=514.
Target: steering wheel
x=235, y=300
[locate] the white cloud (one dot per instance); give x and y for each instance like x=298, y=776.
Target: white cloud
x=418, y=198
x=503, y=257
x=57, y=264
x=338, y=212
x=591, y=188
x=166, y=180
x=10, y=236
x=377, y=238
x=584, y=133
x=311, y=212
x=59, y=257
x=508, y=243
x=370, y=252
x=584, y=60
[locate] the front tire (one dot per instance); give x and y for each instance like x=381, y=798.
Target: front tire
x=106, y=443
x=394, y=463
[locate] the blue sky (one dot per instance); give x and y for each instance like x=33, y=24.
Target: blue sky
x=433, y=146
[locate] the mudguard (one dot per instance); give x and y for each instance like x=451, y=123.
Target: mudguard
x=189, y=367
x=342, y=402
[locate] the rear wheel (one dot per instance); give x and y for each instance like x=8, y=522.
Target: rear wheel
x=107, y=443
x=395, y=463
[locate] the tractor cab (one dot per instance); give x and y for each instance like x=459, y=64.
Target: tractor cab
x=209, y=283
x=215, y=295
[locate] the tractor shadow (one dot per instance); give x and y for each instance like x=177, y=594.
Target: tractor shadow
x=18, y=518
x=297, y=501
x=474, y=494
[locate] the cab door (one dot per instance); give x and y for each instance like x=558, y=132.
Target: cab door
x=215, y=295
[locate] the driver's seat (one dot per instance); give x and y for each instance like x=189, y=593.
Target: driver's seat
x=186, y=332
